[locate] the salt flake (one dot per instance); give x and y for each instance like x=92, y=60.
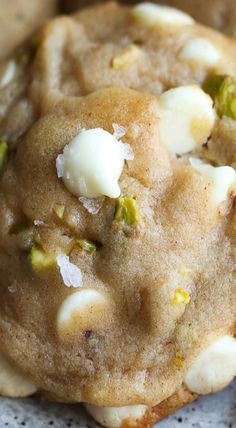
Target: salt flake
x=39, y=223
x=93, y=206
x=60, y=165
x=70, y=273
x=12, y=288
x=119, y=131
x=127, y=151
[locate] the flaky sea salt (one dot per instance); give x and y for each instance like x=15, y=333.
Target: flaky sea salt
x=93, y=206
x=39, y=223
x=119, y=131
x=127, y=151
x=71, y=274
x=12, y=288
x=60, y=165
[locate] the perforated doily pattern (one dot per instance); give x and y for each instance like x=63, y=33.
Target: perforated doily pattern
x=217, y=411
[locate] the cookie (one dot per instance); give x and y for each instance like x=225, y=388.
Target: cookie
x=220, y=14
x=117, y=214
x=19, y=19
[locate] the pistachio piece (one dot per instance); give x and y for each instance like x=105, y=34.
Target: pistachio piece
x=59, y=210
x=126, y=211
x=39, y=260
x=91, y=339
x=181, y=296
x=87, y=246
x=3, y=154
x=125, y=56
x=222, y=90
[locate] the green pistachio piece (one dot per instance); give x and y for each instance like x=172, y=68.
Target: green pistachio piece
x=222, y=90
x=59, y=210
x=3, y=154
x=91, y=338
x=39, y=260
x=87, y=246
x=126, y=211
x=212, y=85
x=234, y=275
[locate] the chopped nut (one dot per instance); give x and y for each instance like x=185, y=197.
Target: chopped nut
x=126, y=56
x=59, y=210
x=126, y=211
x=91, y=338
x=212, y=85
x=24, y=56
x=87, y=246
x=39, y=260
x=234, y=275
x=3, y=154
x=222, y=90
x=181, y=296
x=179, y=359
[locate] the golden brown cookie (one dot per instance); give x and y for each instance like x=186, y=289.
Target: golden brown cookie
x=117, y=214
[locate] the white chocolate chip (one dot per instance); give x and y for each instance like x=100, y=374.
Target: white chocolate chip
x=186, y=118
x=152, y=14
x=92, y=164
x=201, y=51
x=12, y=383
x=113, y=417
x=7, y=73
x=222, y=179
x=81, y=306
x=214, y=368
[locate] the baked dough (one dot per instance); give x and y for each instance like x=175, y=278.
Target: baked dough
x=107, y=300
x=220, y=14
x=19, y=19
